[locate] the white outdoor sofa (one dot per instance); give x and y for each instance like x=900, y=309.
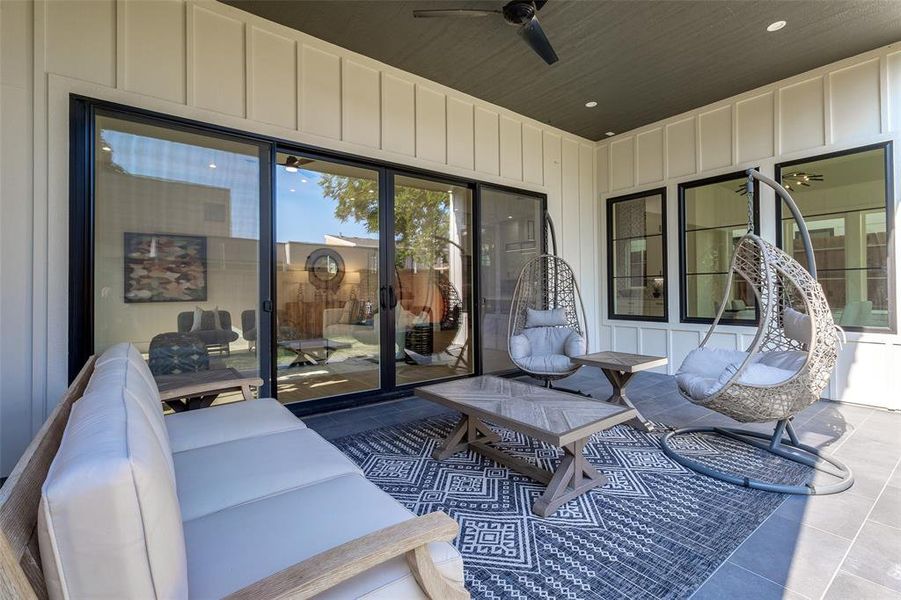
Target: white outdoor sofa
x=239, y=500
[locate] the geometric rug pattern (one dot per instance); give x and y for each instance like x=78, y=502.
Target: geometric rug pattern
x=655, y=530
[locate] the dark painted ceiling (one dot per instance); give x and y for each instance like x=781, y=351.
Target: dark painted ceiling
x=640, y=60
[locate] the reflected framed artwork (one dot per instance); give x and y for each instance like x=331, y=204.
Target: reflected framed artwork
x=161, y=267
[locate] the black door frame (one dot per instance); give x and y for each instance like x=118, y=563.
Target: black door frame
x=83, y=111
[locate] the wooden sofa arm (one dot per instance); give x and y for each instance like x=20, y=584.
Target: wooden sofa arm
x=211, y=387
x=327, y=569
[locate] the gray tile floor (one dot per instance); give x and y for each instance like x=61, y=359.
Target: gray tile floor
x=834, y=547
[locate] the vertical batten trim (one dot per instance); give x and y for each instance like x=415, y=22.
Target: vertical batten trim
x=699, y=168
x=341, y=128
x=415, y=86
x=777, y=122
x=884, y=100
x=121, y=75
x=190, y=35
x=40, y=272
x=733, y=113
x=828, y=117
x=298, y=85
x=248, y=70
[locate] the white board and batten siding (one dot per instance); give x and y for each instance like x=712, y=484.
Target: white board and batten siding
x=210, y=62
x=852, y=103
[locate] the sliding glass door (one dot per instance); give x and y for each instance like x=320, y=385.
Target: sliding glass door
x=431, y=291
x=510, y=228
x=176, y=236
x=327, y=278
x=220, y=255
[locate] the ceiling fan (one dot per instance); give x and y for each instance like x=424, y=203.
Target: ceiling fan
x=520, y=13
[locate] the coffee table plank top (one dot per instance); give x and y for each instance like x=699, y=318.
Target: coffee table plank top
x=623, y=362
x=555, y=417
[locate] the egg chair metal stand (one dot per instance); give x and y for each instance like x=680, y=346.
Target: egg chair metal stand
x=784, y=290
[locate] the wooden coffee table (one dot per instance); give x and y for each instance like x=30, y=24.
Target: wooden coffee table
x=558, y=418
x=619, y=367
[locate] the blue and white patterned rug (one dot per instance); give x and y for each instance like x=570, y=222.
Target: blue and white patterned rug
x=655, y=530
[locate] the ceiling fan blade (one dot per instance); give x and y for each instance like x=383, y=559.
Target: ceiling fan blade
x=534, y=36
x=454, y=12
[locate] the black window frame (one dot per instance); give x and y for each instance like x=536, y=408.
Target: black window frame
x=611, y=313
x=82, y=112
x=683, y=298
x=887, y=147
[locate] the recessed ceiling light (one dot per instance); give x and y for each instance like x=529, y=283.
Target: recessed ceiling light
x=776, y=26
x=591, y=104
x=291, y=169
x=106, y=149
x=303, y=180
x=609, y=133
x=509, y=216
x=291, y=190
x=212, y=165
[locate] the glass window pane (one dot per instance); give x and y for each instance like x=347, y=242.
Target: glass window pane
x=432, y=279
x=327, y=279
x=511, y=227
x=715, y=219
x=639, y=296
x=637, y=247
x=176, y=248
x=843, y=202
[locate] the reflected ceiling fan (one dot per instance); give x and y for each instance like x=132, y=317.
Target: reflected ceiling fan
x=520, y=13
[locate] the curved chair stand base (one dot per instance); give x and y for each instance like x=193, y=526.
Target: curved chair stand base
x=548, y=384
x=789, y=449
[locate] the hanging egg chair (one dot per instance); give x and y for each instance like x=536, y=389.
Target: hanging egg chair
x=547, y=318
x=784, y=369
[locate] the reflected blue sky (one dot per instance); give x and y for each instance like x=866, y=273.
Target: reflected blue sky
x=304, y=215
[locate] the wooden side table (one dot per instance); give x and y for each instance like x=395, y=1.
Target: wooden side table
x=619, y=367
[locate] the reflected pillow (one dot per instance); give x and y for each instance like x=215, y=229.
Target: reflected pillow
x=349, y=313
x=545, y=318
x=198, y=319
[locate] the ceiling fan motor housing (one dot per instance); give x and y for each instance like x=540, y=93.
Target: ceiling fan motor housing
x=519, y=12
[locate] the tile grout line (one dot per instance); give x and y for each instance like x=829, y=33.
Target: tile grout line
x=859, y=529
x=728, y=559
x=855, y=576
x=767, y=579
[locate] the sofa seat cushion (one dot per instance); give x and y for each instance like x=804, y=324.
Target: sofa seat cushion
x=109, y=524
x=216, y=477
x=233, y=548
x=228, y=422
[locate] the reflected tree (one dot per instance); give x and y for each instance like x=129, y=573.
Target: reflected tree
x=421, y=217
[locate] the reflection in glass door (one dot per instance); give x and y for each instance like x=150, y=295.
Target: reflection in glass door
x=327, y=279
x=176, y=249
x=510, y=228
x=431, y=293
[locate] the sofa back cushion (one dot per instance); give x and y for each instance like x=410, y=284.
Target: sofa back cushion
x=109, y=524
x=125, y=369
